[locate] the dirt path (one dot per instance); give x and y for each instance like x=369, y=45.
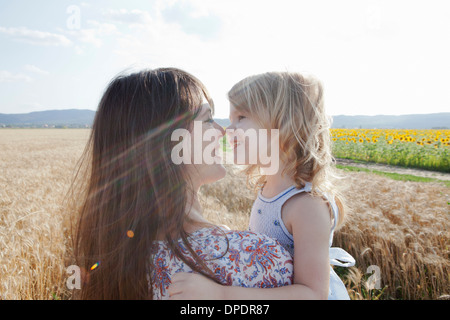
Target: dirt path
x=395, y=169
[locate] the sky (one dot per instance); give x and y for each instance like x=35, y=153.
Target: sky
x=372, y=56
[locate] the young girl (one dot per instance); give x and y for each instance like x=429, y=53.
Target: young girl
x=297, y=206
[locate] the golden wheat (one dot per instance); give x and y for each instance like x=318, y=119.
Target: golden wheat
x=400, y=227
x=36, y=168
x=403, y=228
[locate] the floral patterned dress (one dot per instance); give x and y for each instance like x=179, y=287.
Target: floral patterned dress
x=237, y=258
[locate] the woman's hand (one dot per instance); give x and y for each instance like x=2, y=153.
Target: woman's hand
x=191, y=286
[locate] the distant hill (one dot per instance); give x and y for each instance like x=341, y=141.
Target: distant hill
x=82, y=118
x=223, y=122
x=408, y=121
x=70, y=118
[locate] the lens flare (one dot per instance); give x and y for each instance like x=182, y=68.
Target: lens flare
x=95, y=266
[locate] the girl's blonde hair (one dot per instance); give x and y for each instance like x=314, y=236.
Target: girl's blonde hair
x=293, y=104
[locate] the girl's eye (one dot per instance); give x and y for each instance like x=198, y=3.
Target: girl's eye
x=210, y=120
x=240, y=118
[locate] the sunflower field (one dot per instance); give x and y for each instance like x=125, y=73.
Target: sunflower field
x=424, y=149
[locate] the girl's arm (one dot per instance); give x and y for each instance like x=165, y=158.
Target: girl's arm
x=309, y=220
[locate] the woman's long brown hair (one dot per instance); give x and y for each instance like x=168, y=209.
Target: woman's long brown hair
x=130, y=191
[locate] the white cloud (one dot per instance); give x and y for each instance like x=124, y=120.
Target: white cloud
x=102, y=29
x=36, y=37
x=6, y=76
x=79, y=50
x=88, y=36
x=130, y=17
x=32, y=68
x=94, y=34
x=192, y=18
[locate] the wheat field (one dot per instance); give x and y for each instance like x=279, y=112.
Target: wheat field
x=397, y=231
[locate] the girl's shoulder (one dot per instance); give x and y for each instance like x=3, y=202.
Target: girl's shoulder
x=305, y=208
x=305, y=201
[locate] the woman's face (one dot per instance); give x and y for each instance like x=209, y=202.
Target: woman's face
x=206, y=161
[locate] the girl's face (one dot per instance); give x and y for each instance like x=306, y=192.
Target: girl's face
x=243, y=136
x=206, y=162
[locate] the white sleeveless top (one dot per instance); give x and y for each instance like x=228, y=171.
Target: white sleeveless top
x=266, y=218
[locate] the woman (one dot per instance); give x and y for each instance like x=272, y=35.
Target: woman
x=140, y=220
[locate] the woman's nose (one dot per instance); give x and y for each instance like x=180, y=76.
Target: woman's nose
x=220, y=128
